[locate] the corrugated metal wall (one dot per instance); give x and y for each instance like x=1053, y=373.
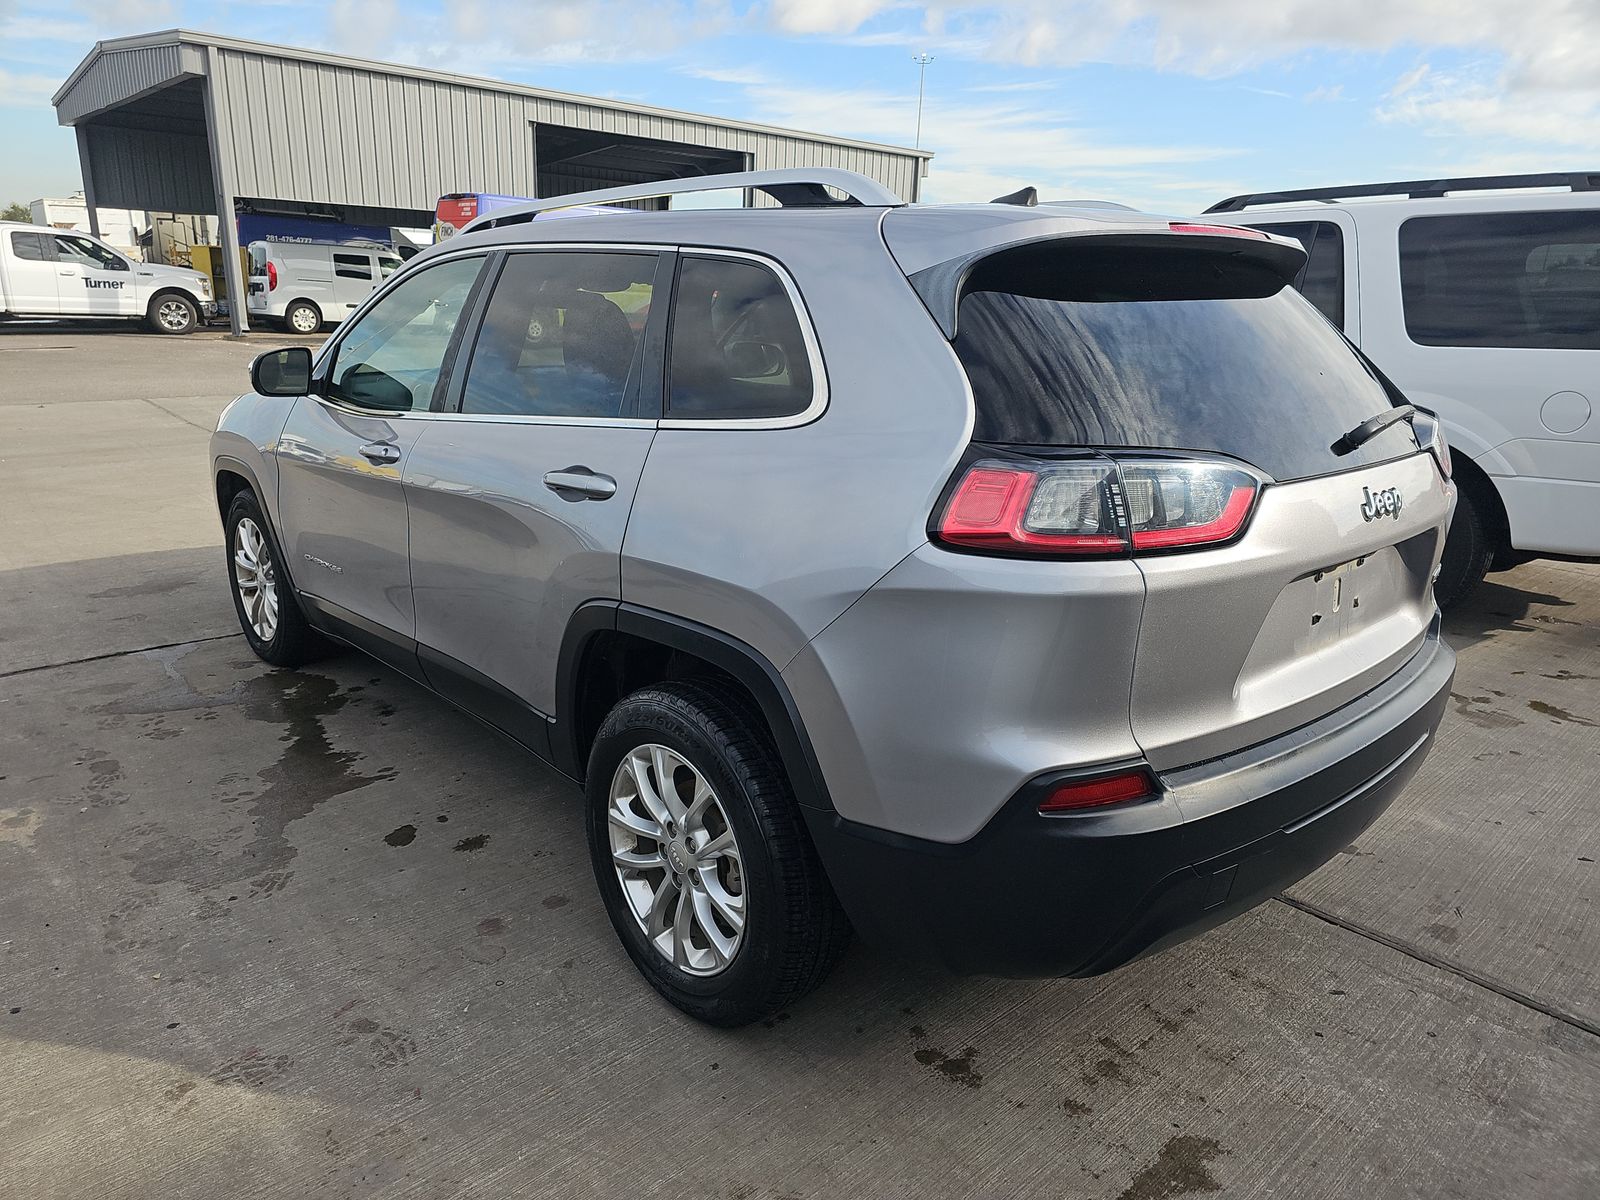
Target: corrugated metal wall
x=117, y=76
x=301, y=127
x=144, y=169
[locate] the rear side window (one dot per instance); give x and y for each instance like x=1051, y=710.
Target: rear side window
x=1163, y=349
x=737, y=349
x=33, y=247
x=1513, y=280
x=352, y=266
x=562, y=336
x=1321, y=280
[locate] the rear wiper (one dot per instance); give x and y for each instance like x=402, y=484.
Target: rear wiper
x=1372, y=427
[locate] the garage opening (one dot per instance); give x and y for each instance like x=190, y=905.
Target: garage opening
x=580, y=160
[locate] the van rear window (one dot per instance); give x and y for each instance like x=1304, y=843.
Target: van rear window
x=1164, y=349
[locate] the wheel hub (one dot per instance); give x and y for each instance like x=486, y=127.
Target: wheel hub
x=677, y=860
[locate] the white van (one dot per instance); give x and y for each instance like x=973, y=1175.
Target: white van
x=48, y=272
x=305, y=285
x=1480, y=299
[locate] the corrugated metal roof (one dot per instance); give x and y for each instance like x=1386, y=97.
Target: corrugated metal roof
x=103, y=85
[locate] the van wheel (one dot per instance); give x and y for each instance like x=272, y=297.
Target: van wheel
x=702, y=858
x=1468, y=548
x=172, y=313
x=302, y=317
x=268, y=613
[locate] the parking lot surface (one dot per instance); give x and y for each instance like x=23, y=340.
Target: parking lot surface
x=315, y=933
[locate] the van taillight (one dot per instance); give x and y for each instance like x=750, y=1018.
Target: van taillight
x=1096, y=506
x=272, y=276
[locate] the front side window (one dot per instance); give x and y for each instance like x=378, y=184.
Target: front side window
x=388, y=264
x=88, y=253
x=737, y=350
x=391, y=358
x=33, y=247
x=562, y=336
x=352, y=266
x=1528, y=280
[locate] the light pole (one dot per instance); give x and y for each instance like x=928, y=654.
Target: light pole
x=922, y=60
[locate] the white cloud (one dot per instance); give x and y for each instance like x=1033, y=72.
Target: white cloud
x=981, y=147
x=26, y=91
x=825, y=16
x=1542, y=81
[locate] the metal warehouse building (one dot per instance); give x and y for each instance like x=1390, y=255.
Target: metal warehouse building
x=192, y=122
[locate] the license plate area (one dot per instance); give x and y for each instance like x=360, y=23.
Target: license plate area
x=1343, y=598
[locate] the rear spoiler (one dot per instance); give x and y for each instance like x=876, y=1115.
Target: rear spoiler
x=942, y=285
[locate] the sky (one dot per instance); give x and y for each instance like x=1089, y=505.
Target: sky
x=1168, y=105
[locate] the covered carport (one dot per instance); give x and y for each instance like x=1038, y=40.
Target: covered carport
x=189, y=122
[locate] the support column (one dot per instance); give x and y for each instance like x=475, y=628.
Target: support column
x=222, y=180
x=86, y=169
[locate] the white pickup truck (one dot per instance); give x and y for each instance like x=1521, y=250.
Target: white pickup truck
x=62, y=273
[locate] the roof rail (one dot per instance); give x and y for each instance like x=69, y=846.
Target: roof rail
x=794, y=187
x=1417, y=189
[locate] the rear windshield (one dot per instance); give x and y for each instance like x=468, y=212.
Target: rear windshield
x=1193, y=350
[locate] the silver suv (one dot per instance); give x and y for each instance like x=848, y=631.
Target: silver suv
x=1026, y=587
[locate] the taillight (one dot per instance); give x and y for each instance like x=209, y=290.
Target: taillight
x=1096, y=506
x=272, y=277
x=1051, y=510
x=1078, y=794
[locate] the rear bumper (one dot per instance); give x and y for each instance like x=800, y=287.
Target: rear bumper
x=1034, y=896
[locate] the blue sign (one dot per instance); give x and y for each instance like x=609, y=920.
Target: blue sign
x=270, y=227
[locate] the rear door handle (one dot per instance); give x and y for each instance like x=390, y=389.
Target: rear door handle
x=580, y=483
x=380, y=452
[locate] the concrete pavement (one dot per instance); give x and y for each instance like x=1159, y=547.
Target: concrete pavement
x=314, y=933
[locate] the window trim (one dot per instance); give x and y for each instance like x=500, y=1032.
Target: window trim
x=494, y=254
x=329, y=355
x=819, y=376
x=666, y=271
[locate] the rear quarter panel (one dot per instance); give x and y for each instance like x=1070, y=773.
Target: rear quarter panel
x=769, y=534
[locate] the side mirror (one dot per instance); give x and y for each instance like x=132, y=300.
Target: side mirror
x=282, y=372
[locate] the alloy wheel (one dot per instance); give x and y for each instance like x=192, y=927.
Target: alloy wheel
x=173, y=315
x=255, y=579
x=677, y=860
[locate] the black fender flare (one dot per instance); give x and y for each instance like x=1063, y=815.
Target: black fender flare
x=737, y=658
x=226, y=462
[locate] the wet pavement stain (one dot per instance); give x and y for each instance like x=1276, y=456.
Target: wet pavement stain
x=403, y=836
x=491, y=926
x=1447, y=934
x=471, y=845
x=555, y=902
x=253, y=1068
x=956, y=1068
x=308, y=771
x=1182, y=1168
x=1560, y=714
x=378, y=1045
x=1471, y=708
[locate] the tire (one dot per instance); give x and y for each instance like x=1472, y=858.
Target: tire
x=1468, y=548
x=793, y=930
x=302, y=317
x=286, y=640
x=173, y=313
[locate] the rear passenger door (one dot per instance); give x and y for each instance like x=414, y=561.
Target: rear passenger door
x=31, y=273
x=1329, y=279
x=519, y=498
